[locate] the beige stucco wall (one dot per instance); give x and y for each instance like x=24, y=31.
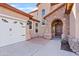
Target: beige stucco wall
x=45, y=6
x=59, y=14
x=35, y=14
x=48, y=8
x=74, y=32
x=73, y=23
x=11, y=13
x=45, y=30
x=77, y=20
x=55, y=6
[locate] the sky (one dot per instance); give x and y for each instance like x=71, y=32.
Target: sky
x=26, y=7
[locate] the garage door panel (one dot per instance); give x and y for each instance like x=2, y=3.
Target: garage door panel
x=10, y=32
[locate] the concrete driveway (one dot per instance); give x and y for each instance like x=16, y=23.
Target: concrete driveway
x=35, y=47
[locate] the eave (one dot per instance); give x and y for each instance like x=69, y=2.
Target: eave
x=7, y=6
x=69, y=7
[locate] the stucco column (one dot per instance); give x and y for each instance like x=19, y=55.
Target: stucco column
x=66, y=30
x=66, y=26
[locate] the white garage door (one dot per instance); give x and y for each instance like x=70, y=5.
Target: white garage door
x=11, y=31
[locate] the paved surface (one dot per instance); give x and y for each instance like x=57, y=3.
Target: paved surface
x=35, y=47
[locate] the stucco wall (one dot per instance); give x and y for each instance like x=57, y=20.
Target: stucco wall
x=72, y=23
x=77, y=20
x=74, y=29
x=11, y=13
x=59, y=14
x=42, y=6
x=55, y=6
x=35, y=14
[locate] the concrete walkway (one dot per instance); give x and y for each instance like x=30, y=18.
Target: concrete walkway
x=35, y=47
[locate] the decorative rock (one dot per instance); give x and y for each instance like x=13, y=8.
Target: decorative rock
x=65, y=45
x=74, y=45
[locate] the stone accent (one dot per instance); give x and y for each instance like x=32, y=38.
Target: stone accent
x=65, y=45
x=74, y=45
x=66, y=27
x=66, y=30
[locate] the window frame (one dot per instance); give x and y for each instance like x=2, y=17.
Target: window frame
x=43, y=12
x=36, y=27
x=30, y=24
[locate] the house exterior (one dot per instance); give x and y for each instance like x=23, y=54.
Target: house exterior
x=59, y=20
x=44, y=13
x=49, y=21
x=15, y=24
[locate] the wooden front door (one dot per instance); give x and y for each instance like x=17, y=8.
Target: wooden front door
x=58, y=30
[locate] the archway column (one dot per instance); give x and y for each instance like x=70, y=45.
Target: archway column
x=65, y=35
x=66, y=27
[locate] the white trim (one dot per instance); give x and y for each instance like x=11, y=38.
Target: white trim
x=13, y=18
x=74, y=10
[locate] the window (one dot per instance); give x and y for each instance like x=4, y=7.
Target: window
x=36, y=30
x=43, y=12
x=36, y=24
x=43, y=22
x=30, y=24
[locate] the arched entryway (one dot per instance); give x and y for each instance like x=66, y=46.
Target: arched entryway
x=56, y=28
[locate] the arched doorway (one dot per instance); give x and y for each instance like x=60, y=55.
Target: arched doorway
x=56, y=28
